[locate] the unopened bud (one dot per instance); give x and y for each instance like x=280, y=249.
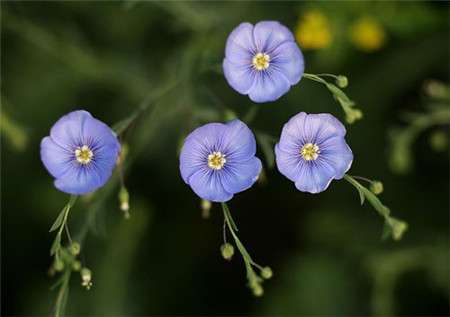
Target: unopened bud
x=258, y=290
x=124, y=199
x=227, y=251
x=266, y=273
x=439, y=141
x=58, y=265
x=86, y=278
x=206, y=207
x=376, y=187
x=76, y=265
x=75, y=248
x=342, y=81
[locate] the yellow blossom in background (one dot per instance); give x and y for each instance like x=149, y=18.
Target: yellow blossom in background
x=367, y=34
x=313, y=31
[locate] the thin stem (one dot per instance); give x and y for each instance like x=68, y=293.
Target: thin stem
x=62, y=294
x=362, y=178
x=224, y=231
x=68, y=233
x=397, y=226
x=70, y=204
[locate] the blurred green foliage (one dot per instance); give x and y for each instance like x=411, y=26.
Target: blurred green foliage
x=117, y=58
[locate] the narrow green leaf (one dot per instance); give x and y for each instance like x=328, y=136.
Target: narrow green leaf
x=362, y=197
x=59, y=220
x=56, y=245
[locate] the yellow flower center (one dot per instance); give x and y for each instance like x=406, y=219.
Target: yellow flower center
x=216, y=160
x=310, y=151
x=261, y=61
x=83, y=154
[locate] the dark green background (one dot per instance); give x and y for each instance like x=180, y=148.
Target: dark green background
x=325, y=250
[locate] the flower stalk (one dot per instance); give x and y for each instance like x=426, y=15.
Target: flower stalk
x=254, y=280
x=352, y=114
x=393, y=227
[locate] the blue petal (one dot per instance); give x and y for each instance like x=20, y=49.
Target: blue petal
x=79, y=180
x=288, y=59
x=289, y=163
x=238, y=176
x=239, y=77
x=336, y=153
x=314, y=177
x=319, y=127
x=268, y=86
x=240, y=44
x=67, y=131
x=198, y=145
x=268, y=35
x=238, y=141
x=206, y=183
x=56, y=159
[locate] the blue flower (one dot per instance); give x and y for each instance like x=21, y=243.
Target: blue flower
x=312, y=151
x=80, y=153
x=262, y=61
x=218, y=160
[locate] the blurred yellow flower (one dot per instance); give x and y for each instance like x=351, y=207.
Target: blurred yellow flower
x=367, y=34
x=313, y=31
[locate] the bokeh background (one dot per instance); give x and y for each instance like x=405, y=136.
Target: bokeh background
x=326, y=250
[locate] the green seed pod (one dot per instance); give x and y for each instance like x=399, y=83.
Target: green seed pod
x=75, y=248
x=342, y=81
x=266, y=273
x=227, y=251
x=376, y=187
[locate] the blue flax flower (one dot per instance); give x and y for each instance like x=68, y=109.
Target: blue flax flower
x=262, y=61
x=218, y=160
x=312, y=151
x=80, y=153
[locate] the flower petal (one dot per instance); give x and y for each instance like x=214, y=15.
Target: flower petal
x=336, y=153
x=198, y=145
x=56, y=159
x=240, y=46
x=238, y=141
x=268, y=86
x=239, y=77
x=268, y=35
x=67, y=131
x=288, y=163
x=319, y=127
x=79, y=180
x=314, y=177
x=207, y=184
x=240, y=175
x=288, y=59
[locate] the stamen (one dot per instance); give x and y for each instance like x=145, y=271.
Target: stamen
x=310, y=151
x=216, y=160
x=261, y=61
x=83, y=154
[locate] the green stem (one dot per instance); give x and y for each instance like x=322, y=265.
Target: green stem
x=62, y=294
x=396, y=226
x=70, y=204
x=348, y=106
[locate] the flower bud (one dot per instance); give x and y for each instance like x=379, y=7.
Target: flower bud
x=86, y=278
x=76, y=265
x=376, y=187
x=227, y=251
x=258, y=290
x=75, y=248
x=266, y=273
x=206, y=207
x=58, y=265
x=124, y=199
x=342, y=81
